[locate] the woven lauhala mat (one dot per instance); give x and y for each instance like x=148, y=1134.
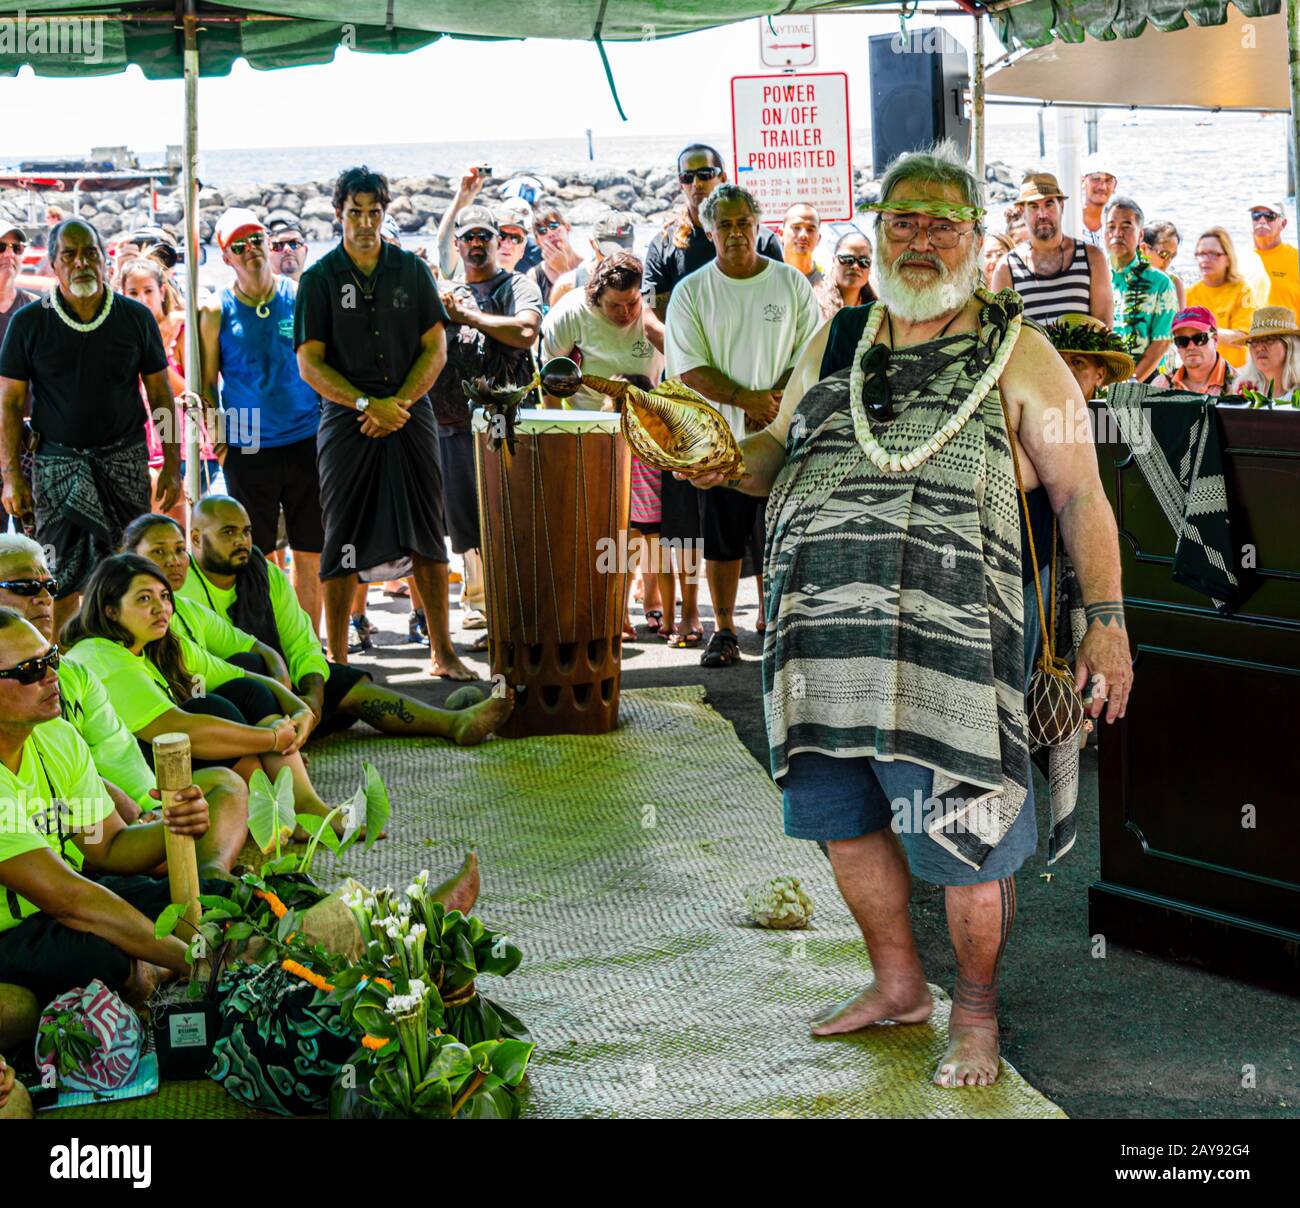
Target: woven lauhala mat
x=618, y=863
x=200, y=1099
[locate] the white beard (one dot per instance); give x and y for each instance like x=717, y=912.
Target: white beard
x=83, y=288
x=920, y=303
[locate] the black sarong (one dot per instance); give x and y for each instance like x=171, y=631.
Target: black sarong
x=382, y=497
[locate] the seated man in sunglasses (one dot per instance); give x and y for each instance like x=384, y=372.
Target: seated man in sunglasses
x=26, y=586
x=902, y=622
x=1202, y=368
x=59, y=928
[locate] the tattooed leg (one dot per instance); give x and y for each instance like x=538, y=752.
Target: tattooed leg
x=979, y=920
x=394, y=713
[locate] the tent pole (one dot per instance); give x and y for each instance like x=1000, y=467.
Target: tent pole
x=1293, y=59
x=977, y=95
x=189, y=201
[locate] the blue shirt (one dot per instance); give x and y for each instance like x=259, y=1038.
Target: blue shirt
x=267, y=402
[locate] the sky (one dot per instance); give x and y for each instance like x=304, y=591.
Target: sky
x=451, y=91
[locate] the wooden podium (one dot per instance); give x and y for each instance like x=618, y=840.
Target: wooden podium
x=1200, y=783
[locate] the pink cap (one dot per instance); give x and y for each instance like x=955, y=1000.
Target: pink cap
x=1197, y=318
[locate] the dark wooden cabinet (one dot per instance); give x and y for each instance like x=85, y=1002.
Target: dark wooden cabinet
x=1200, y=783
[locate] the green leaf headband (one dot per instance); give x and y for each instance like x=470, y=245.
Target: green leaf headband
x=935, y=209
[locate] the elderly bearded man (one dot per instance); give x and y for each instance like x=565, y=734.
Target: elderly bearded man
x=895, y=663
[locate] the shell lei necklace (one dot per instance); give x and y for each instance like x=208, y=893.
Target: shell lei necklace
x=897, y=463
x=76, y=325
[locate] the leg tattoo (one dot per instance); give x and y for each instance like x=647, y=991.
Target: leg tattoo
x=375, y=711
x=980, y=998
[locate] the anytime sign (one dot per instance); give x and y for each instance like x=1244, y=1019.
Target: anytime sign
x=790, y=136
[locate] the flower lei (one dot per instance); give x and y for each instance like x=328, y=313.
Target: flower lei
x=75, y=324
x=895, y=463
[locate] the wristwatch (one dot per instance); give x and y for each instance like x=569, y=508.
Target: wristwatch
x=361, y=404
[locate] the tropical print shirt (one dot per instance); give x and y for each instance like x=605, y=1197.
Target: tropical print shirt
x=1145, y=305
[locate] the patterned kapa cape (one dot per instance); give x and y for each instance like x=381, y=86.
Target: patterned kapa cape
x=895, y=601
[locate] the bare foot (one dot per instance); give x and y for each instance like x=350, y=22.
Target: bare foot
x=474, y=724
x=461, y=891
x=451, y=668
x=910, y=1004
x=972, y=1055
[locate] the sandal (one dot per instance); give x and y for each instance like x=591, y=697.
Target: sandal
x=722, y=650
x=654, y=620
x=480, y=645
x=680, y=641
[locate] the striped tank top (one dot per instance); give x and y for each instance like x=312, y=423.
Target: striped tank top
x=1048, y=298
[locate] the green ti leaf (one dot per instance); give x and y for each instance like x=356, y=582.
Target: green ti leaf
x=166, y=922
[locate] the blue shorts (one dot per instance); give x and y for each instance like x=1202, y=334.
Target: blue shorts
x=827, y=799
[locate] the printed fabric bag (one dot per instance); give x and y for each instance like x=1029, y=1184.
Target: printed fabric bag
x=88, y=1040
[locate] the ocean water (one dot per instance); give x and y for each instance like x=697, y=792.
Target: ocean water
x=1195, y=170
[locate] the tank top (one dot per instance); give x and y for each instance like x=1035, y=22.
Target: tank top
x=267, y=402
x=1048, y=298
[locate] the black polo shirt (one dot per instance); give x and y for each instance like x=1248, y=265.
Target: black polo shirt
x=370, y=326
x=666, y=265
x=85, y=385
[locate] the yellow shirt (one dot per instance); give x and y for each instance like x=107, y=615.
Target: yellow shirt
x=1232, y=304
x=1281, y=273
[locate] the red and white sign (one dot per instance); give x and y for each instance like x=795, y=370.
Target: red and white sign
x=787, y=41
x=790, y=138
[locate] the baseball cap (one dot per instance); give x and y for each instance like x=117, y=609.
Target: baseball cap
x=8, y=228
x=1098, y=164
x=514, y=211
x=1038, y=186
x=1198, y=318
x=278, y=226
x=1276, y=206
x=233, y=223
x=473, y=218
x=613, y=232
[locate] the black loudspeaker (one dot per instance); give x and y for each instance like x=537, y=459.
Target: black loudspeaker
x=918, y=92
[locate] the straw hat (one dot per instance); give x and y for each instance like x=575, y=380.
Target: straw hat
x=1086, y=336
x=1272, y=321
x=1039, y=186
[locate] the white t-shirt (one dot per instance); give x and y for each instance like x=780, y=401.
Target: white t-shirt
x=752, y=328
x=608, y=351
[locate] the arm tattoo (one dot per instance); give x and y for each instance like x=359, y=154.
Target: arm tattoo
x=1106, y=611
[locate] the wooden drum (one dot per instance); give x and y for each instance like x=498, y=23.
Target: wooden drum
x=554, y=517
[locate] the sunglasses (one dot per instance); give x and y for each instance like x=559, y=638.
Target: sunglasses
x=512, y=236
x=32, y=671
x=1263, y=216
x=477, y=236
x=549, y=226
x=18, y=246
x=1201, y=337
x=287, y=245
x=241, y=245
x=876, y=392
x=861, y=261
x=690, y=176
x=30, y=587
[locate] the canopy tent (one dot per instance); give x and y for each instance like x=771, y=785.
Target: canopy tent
x=1240, y=64
x=1028, y=23
x=294, y=33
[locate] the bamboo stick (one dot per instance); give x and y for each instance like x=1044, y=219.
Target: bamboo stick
x=171, y=762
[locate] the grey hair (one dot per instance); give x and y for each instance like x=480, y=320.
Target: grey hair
x=14, y=544
x=56, y=235
x=940, y=164
x=1125, y=203
x=724, y=193
x=1250, y=376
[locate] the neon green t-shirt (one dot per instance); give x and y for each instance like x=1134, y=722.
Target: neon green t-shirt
x=200, y=625
x=114, y=749
x=55, y=793
x=298, y=641
x=136, y=687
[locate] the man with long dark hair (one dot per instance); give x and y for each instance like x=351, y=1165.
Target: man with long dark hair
x=370, y=333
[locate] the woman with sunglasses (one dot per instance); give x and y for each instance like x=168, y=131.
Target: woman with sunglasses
x=1202, y=369
x=848, y=283
x=1160, y=244
x=1224, y=292
x=160, y=683
x=1273, y=362
x=558, y=257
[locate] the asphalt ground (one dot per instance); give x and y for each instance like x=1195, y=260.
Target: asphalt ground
x=1125, y=1036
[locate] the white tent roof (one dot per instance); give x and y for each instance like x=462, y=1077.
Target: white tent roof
x=1241, y=64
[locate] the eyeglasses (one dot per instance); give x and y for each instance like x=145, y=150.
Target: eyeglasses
x=241, y=245
x=901, y=229
x=1210, y=255
x=31, y=671
x=30, y=587
x=1263, y=216
x=513, y=236
x=845, y=259
x=477, y=236
x=18, y=246
x=691, y=175
x=552, y=225
x=287, y=245
x=1201, y=337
